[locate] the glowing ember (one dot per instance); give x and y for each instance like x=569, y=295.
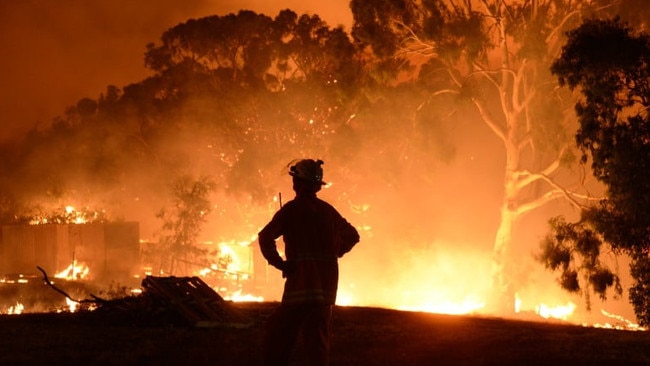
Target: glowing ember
x=239, y=297
x=20, y=279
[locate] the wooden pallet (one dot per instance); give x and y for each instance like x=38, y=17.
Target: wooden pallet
x=195, y=301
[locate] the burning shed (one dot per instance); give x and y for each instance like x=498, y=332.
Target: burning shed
x=110, y=250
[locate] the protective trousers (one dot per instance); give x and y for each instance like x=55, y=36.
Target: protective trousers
x=312, y=321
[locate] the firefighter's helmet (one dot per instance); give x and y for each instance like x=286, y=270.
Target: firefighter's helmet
x=307, y=169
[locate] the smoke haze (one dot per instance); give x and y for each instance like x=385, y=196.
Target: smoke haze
x=61, y=51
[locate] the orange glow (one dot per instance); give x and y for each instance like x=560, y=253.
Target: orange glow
x=455, y=282
x=437, y=281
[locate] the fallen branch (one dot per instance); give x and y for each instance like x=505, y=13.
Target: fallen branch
x=95, y=300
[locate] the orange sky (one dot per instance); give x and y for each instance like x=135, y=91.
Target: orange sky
x=56, y=52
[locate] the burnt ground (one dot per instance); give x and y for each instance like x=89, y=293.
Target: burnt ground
x=362, y=336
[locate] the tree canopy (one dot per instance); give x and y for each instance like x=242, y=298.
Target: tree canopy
x=608, y=62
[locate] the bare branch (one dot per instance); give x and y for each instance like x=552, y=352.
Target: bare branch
x=439, y=92
x=556, y=192
x=529, y=94
x=418, y=46
x=453, y=77
x=530, y=177
x=492, y=124
x=542, y=200
x=557, y=30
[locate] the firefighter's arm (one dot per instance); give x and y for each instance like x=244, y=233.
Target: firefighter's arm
x=348, y=237
x=270, y=252
x=269, y=249
x=267, y=237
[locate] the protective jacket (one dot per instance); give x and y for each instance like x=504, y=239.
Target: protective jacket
x=315, y=236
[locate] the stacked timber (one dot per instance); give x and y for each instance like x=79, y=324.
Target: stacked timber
x=194, y=301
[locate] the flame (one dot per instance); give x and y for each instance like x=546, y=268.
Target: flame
x=16, y=309
x=67, y=215
x=621, y=323
x=239, y=297
x=232, y=257
x=75, y=271
x=72, y=305
x=562, y=312
x=231, y=268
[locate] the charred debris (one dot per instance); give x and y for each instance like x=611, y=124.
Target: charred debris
x=164, y=301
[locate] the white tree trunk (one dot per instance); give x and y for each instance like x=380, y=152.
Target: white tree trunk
x=503, y=290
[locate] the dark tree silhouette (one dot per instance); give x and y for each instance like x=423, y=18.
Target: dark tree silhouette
x=609, y=64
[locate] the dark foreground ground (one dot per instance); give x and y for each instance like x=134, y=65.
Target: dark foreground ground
x=363, y=336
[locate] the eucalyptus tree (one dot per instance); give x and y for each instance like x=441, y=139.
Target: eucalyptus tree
x=254, y=85
x=494, y=57
x=608, y=63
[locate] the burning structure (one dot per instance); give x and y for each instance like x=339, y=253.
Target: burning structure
x=111, y=250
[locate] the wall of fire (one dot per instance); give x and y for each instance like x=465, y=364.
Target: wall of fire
x=110, y=250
